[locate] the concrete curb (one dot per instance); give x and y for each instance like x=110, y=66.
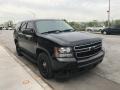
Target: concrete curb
x=41, y=82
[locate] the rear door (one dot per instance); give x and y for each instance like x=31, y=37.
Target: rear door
x=112, y=30
x=118, y=30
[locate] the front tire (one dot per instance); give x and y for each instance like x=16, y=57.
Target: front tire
x=44, y=66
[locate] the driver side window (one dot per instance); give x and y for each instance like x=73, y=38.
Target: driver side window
x=30, y=25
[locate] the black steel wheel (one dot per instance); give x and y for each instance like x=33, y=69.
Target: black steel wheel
x=44, y=65
x=18, y=49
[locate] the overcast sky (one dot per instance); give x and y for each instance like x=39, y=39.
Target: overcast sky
x=73, y=10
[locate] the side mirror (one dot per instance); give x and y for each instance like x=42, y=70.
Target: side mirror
x=29, y=31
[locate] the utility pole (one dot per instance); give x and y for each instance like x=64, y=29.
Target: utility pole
x=109, y=10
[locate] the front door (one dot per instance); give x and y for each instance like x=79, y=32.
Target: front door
x=30, y=40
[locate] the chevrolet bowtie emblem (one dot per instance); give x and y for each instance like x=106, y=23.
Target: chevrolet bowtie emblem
x=90, y=48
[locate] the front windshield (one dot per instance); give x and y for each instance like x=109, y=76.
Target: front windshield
x=52, y=25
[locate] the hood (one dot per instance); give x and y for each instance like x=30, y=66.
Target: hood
x=70, y=37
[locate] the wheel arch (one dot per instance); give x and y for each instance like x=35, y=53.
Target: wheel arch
x=49, y=62
x=39, y=50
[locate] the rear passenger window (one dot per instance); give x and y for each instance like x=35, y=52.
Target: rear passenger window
x=17, y=27
x=23, y=27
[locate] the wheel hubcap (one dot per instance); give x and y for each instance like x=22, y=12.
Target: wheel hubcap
x=44, y=64
x=104, y=33
x=43, y=67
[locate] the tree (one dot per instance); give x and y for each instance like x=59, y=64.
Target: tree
x=93, y=23
x=117, y=23
x=76, y=25
x=8, y=24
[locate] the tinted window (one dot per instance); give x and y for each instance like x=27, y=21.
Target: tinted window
x=23, y=26
x=17, y=27
x=51, y=25
x=117, y=26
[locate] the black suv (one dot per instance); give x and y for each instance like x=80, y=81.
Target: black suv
x=112, y=30
x=55, y=46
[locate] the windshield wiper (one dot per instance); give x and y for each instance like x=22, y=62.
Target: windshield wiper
x=58, y=31
x=53, y=31
x=68, y=30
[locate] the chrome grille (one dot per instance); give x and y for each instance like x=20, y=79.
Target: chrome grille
x=87, y=50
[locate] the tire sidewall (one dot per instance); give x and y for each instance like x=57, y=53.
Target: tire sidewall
x=18, y=49
x=49, y=67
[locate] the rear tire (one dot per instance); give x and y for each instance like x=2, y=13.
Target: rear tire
x=18, y=49
x=44, y=66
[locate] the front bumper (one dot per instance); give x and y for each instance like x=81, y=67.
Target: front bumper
x=72, y=63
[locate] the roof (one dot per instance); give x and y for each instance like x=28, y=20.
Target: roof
x=34, y=20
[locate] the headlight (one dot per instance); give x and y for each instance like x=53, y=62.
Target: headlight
x=63, y=52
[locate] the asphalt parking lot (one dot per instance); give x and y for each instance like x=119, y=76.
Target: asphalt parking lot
x=106, y=76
